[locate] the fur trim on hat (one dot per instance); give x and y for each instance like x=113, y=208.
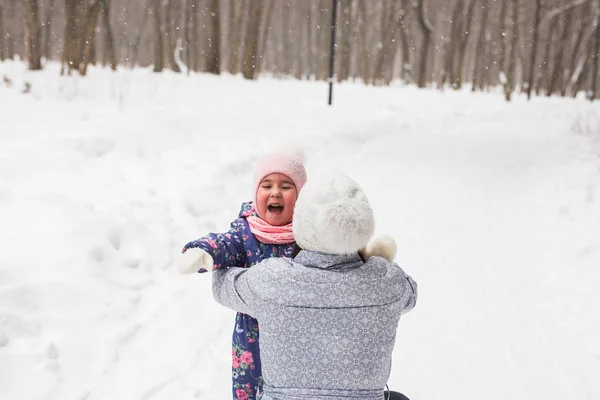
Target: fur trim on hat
x=333, y=215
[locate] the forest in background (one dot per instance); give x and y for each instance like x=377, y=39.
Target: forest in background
x=542, y=47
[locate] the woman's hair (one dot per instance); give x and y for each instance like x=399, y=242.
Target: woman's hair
x=297, y=249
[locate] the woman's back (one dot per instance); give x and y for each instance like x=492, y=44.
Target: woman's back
x=328, y=324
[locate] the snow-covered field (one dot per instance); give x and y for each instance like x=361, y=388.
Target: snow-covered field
x=495, y=207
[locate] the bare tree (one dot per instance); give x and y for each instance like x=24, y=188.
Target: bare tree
x=534, y=43
x=169, y=36
x=557, y=68
x=345, y=40
x=363, y=40
x=159, y=61
x=32, y=35
x=390, y=24
x=10, y=29
x=512, y=65
x=464, y=41
x=580, y=52
x=251, y=40
x=146, y=11
x=91, y=20
x=2, y=34
x=194, y=42
x=540, y=46
x=596, y=57
x=405, y=64
x=213, y=38
x=427, y=31
x=264, y=35
x=481, y=52
x=324, y=39
x=48, y=30
x=109, y=44
x=70, y=54
x=453, y=45
x=548, y=53
x=234, y=30
x=502, y=39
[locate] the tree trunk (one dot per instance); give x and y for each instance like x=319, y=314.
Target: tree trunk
x=387, y=53
x=534, y=43
x=300, y=68
x=427, y=31
x=324, y=37
x=582, y=35
x=466, y=32
x=580, y=83
x=406, y=65
x=480, y=53
x=194, y=37
x=548, y=54
x=343, y=65
x=596, y=57
x=310, y=64
x=234, y=26
x=558, y=70
x=159, y=60
x=452, y=46
x=11, y=35
x=32, y=35
x=362, y=40
x=512, y=66
x=264, y=36
x=146, y=11
x=71, y=44
x=187, y=37
x=91, y=22
x=2, y=34
x=503, y=12
x=48, y=31
x=213, y=38
x=251, y=40
x=169, y=37
x=109, y=44
x=287, y=52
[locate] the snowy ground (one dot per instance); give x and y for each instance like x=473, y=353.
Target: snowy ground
x=495, y=208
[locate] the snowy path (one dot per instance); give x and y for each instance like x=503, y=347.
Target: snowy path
x=495, y=208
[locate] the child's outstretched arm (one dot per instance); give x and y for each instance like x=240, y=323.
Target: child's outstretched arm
x=214, y=250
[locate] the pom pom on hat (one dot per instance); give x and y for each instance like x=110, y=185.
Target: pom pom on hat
x=333, y=215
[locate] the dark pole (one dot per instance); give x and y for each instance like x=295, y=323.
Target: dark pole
x=332, y=51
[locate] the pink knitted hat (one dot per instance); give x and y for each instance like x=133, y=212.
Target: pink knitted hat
x=289, y=164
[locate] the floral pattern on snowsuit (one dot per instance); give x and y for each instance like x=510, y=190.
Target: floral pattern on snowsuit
x=238, y=247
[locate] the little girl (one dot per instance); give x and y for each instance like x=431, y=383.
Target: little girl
x=262, y=230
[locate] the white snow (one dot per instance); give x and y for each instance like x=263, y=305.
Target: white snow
x=495, y=208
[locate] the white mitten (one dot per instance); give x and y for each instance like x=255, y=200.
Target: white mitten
x=194, y=260
x=382, y=246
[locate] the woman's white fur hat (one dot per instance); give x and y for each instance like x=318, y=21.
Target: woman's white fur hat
x=332, y=215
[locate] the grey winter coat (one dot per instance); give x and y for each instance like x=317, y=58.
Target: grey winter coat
x=327, y=323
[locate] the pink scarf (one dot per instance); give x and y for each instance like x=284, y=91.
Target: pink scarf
x=268, y=233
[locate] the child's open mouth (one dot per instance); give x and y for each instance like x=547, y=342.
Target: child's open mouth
x=275, y=209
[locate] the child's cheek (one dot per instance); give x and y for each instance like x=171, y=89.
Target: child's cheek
x=291, y=200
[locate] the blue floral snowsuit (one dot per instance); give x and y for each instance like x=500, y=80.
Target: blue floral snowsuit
x=239, y=248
